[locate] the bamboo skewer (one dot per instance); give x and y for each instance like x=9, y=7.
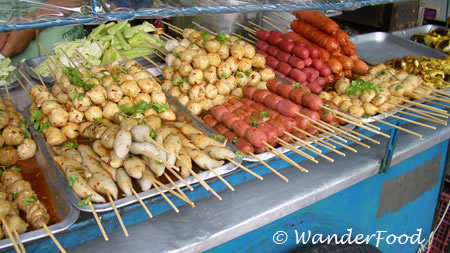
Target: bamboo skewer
x=364, y=127
x=429, y=118
x=84, y=58
x=344, y=146
x=276, y=22
x=447, y=100
x=299, y=152
x=398, y=127
x=221, y=178
x=165, y=197
x=136, y=195
x=318, y=123
x=180, y=178
x=284, y=157
x=312, y=137
x=119, y=218
x=158, y=54
x=204, y=28
x=25, y=89
x=253, y=37
x=443, y=112
x=152, y=62
x=334, y=135
x=423, y=112
x=177, y=188
x=154, y=157
x=281, y=17
x=175, y=28
x=60, y=247
x=258, y=26
x=362, y=135
x=7, y=91
x=244, y=168
x=308, y=145
x=42, y=81
x=10, y=234
x=435, y=103
x=439, y=95
x=45, y=52
x=161, y=51
x=308, y=148
x=204, y=184
x=248, y=29
x=242, y=37
x=17, y=238
x=341, y=132
x=351, y=118
x=170, y=37
x=25, y=77
x=187, y=200
x=99, y=223
x=274, y=26
x=269, y=167
x=410, y=121
x=70, y=60
x=445, y=93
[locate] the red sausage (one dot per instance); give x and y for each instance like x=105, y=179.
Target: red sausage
x=209, y=120
x=278, y=73
x=244, y=146
x=283, y=56
x=248, y=110
x=288, y=122
x=286, y=107
x=217, y=111
x=321, y=81
x=284, y=90
x=334, y=122
x=272, y=50
x=229, y=106
x=312, y=131
x=255, y=114
x=289, y=80
x=308, y=62
x=247, y=101
x=272, y=101
x=317, y=64
x=240, y=127
x=312, y=101
x=272, y=85
x=284, y=68
x=271, y=112
x=256, y=137
x=286, y=45
x=325, y=71
x=272, y=61
x=229, y=135
x=310, y=75
x=313, y=52
x=270, y=132
x=296, y=62
x=240, y=113
x=279, y=126
x=262, y=34
x=258, y=107
x=298, y=75
x=263, y=53
x=228, y=118
x=236, y=103
x=302, y=123
x=287, y=38
x=298, y=134
x=262, y=45
x=296, y=95
x=221, y=129
x=274, y=39
x=300, y=51
x=275, y=32
x=286, y=138
x=326, y=115
x=260, y=95
x=315, y=88
x=314, y=115
x=248, y=91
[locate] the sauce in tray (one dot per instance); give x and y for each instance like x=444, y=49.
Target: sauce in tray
x=32, y=172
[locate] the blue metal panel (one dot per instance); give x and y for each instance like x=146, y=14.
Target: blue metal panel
x=356, y=208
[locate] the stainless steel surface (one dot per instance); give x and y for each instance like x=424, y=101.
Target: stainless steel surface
x=260, y=202
x=378, y=47
x=66, y=211
x=205, y=175
x=224, y=22
x=407, y=33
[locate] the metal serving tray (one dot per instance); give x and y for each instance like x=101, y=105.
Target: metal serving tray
x=29, y=64
x=74, y=199
x=66, y=211
x=407, y=33
x=378, y=47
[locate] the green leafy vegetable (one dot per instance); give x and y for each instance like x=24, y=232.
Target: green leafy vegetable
x=221, y=38
x=69, y=144
x=235, y=139
x=223, y=75
x=72, y=180
x=141, y=106
x=398, y=87
x=178, y=54
x=74, y=75
x=153, y=134
x=325, y=111
x=264, y=115
x=359, y=87
x=307, y=90
x=254, y=122
x=126, y=110
x=240, y=75
x=15, y=168
x=85, y=202
x=98, y=121
x=240, y=154
x=191, y=45
x=158, y=162
x=14, y=195
x=29, y=200
x=36, y=115
x=247, y=73
x=158, y=107
x=177, y=81
x=366, y=116
x=296, y=85
x=205, y=36
x=217, y=137
x=75, y=95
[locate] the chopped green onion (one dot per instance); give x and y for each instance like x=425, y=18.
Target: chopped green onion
x=98, y=121
x=72, y=180
x=69, y=144
x=235, y=139
x=217, y=137
x=85, y=202
x=240, y=154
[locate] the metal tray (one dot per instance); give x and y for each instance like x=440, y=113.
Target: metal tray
x=66, y=211
x=378, y=47
x=74, y=199
x=29, y=64
x=407, y=33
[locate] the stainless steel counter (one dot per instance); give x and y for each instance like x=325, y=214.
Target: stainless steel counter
x=256, y=203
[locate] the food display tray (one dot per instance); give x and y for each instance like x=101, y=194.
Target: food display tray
x=103, y=207
x=378, y=47
x=66, y=211
x=407, y=33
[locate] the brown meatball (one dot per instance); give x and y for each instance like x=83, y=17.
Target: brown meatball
x=13, y=135
x=8, y=156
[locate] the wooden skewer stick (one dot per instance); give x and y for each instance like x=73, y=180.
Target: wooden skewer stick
x=351, y=118
x=84, y=58
x=300, y=143
x=308, y=145
x=175, y=30
x=349, y=136
x=161, y=51
x=244, y=168
x=433, y=119
x=344, y=146
x=423, y=112
x=179, y=30
x=443, y=92
x=334, y=135
x=436, y=103
x=340, y=131
x=318, y=123
x=119, y=218
x=398, y=127
x=281, y=17
x=60, y=247
x=25, y=77
x=42, y=82
x=269, y=167
x=274, y=26
x=136, y=195
x=7, y=91
x=276, y=22
x=142, y=67
x=329, y=139
x=99, y=223
x=45, y=52
x=158, y=54
x=154, y=157
x=439, y=95
x=364, y=127
x=314, y=140
x=361, y=135
x=180, y=178
x=293, y=149
x=170, y=37
x=25, y=89
x=204, y=28
x=258, y=26
x=284, y=157
x=410, y=121
x=204, y=184
x=165, y=197
x=17, y=238
x=253, y=37
x=70, y=60
x=248, y=29
x=242, y=37
x=152, y=62
x=443, y=112
x=187, y=200
x=177, y=188
x=447, y=100
x=221, y=178
x=10, y=234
